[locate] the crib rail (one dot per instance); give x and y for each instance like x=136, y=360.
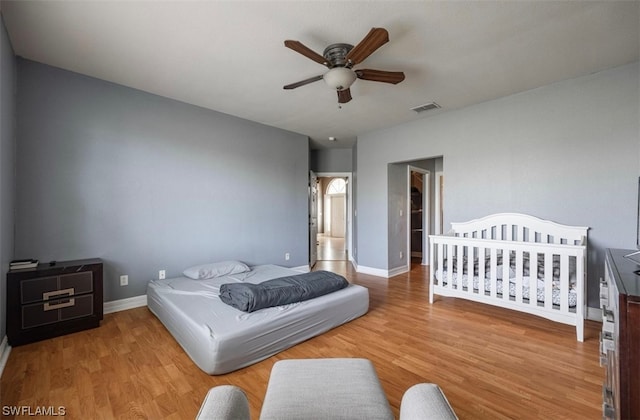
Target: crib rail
x=522, y=228
x=453, y=256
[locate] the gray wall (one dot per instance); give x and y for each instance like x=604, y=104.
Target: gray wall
x=7, y=163
x=148, y=183
x=332, y=160
x=566, y=152
x=397, y=214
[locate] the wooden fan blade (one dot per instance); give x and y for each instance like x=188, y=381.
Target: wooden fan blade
x=394, y=77
x=303, y=82
x=344, y=96
x=300, y=48
x=376, y=38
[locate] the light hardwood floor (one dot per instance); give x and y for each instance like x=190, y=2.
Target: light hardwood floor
x=331, y=249
x=492, y=363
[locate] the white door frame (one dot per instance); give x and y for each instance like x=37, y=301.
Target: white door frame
x=348, y=243
x=438, y=204
x=313, y=219
x=425, y=214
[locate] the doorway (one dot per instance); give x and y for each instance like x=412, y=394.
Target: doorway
x=418, y=193
x=334, y=221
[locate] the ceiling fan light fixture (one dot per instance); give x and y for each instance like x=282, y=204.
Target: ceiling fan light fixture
x=340, y=78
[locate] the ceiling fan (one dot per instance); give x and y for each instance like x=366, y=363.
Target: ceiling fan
x=340, y=59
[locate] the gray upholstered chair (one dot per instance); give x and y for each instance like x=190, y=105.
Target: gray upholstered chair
x=326, y=389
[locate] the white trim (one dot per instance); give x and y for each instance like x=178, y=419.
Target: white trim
x=426, y=216
x=426, y=220
x=354, y=263
x=5, y=349
x=379, y=272
x=124, y=304
x=438, y=204
x=398, y=270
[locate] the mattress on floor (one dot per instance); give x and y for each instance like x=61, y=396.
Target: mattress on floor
x=220, y=339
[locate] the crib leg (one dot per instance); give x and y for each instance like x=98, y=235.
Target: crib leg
x=580, y=329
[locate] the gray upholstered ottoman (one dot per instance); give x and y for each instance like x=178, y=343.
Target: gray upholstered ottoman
x=325, y=389
x=335, y=389
x=425, y=402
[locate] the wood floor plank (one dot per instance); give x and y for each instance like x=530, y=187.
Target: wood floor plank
x=492, y=363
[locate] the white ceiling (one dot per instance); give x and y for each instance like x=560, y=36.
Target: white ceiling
x=229, y=55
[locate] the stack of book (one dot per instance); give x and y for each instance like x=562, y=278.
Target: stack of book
x=22, y=264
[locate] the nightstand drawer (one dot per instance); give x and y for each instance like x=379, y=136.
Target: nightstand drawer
x=604, y=293
x=80, y=282
x=57, y=310
x=608, y=321
x=32, y=290
x=46, y=288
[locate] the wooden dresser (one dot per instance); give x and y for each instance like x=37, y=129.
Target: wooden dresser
x=620, y=337
x=53, y=300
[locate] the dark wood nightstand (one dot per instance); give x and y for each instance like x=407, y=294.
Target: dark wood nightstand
x=53, y=300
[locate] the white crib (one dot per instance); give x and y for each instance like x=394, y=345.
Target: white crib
x=546, y=266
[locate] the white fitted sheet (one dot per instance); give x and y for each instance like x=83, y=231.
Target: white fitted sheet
x=220, y=339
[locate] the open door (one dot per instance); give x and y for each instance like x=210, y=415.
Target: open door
x=313, y=219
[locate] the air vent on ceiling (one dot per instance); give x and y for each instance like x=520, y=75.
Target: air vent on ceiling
x=426, y=107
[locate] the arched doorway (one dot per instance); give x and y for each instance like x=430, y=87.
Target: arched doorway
x=334, y=230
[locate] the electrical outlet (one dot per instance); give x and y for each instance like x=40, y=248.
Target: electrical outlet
x=162, y=274
x=124, y=280
x=287, y=256
x=401, y=255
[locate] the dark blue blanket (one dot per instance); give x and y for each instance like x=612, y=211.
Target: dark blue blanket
x=249, y=297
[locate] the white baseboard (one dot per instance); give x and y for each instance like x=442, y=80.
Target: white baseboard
x=398, y=270
x=5, y=349
x=379, y=272
x=124, y=304
x=372, y=271
x=354, y=263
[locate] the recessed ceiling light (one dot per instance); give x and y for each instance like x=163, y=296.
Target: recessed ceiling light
x=332, y=139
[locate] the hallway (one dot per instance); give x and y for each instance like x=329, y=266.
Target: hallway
x=331, y=249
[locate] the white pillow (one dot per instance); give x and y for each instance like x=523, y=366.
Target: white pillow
x=218, y=269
